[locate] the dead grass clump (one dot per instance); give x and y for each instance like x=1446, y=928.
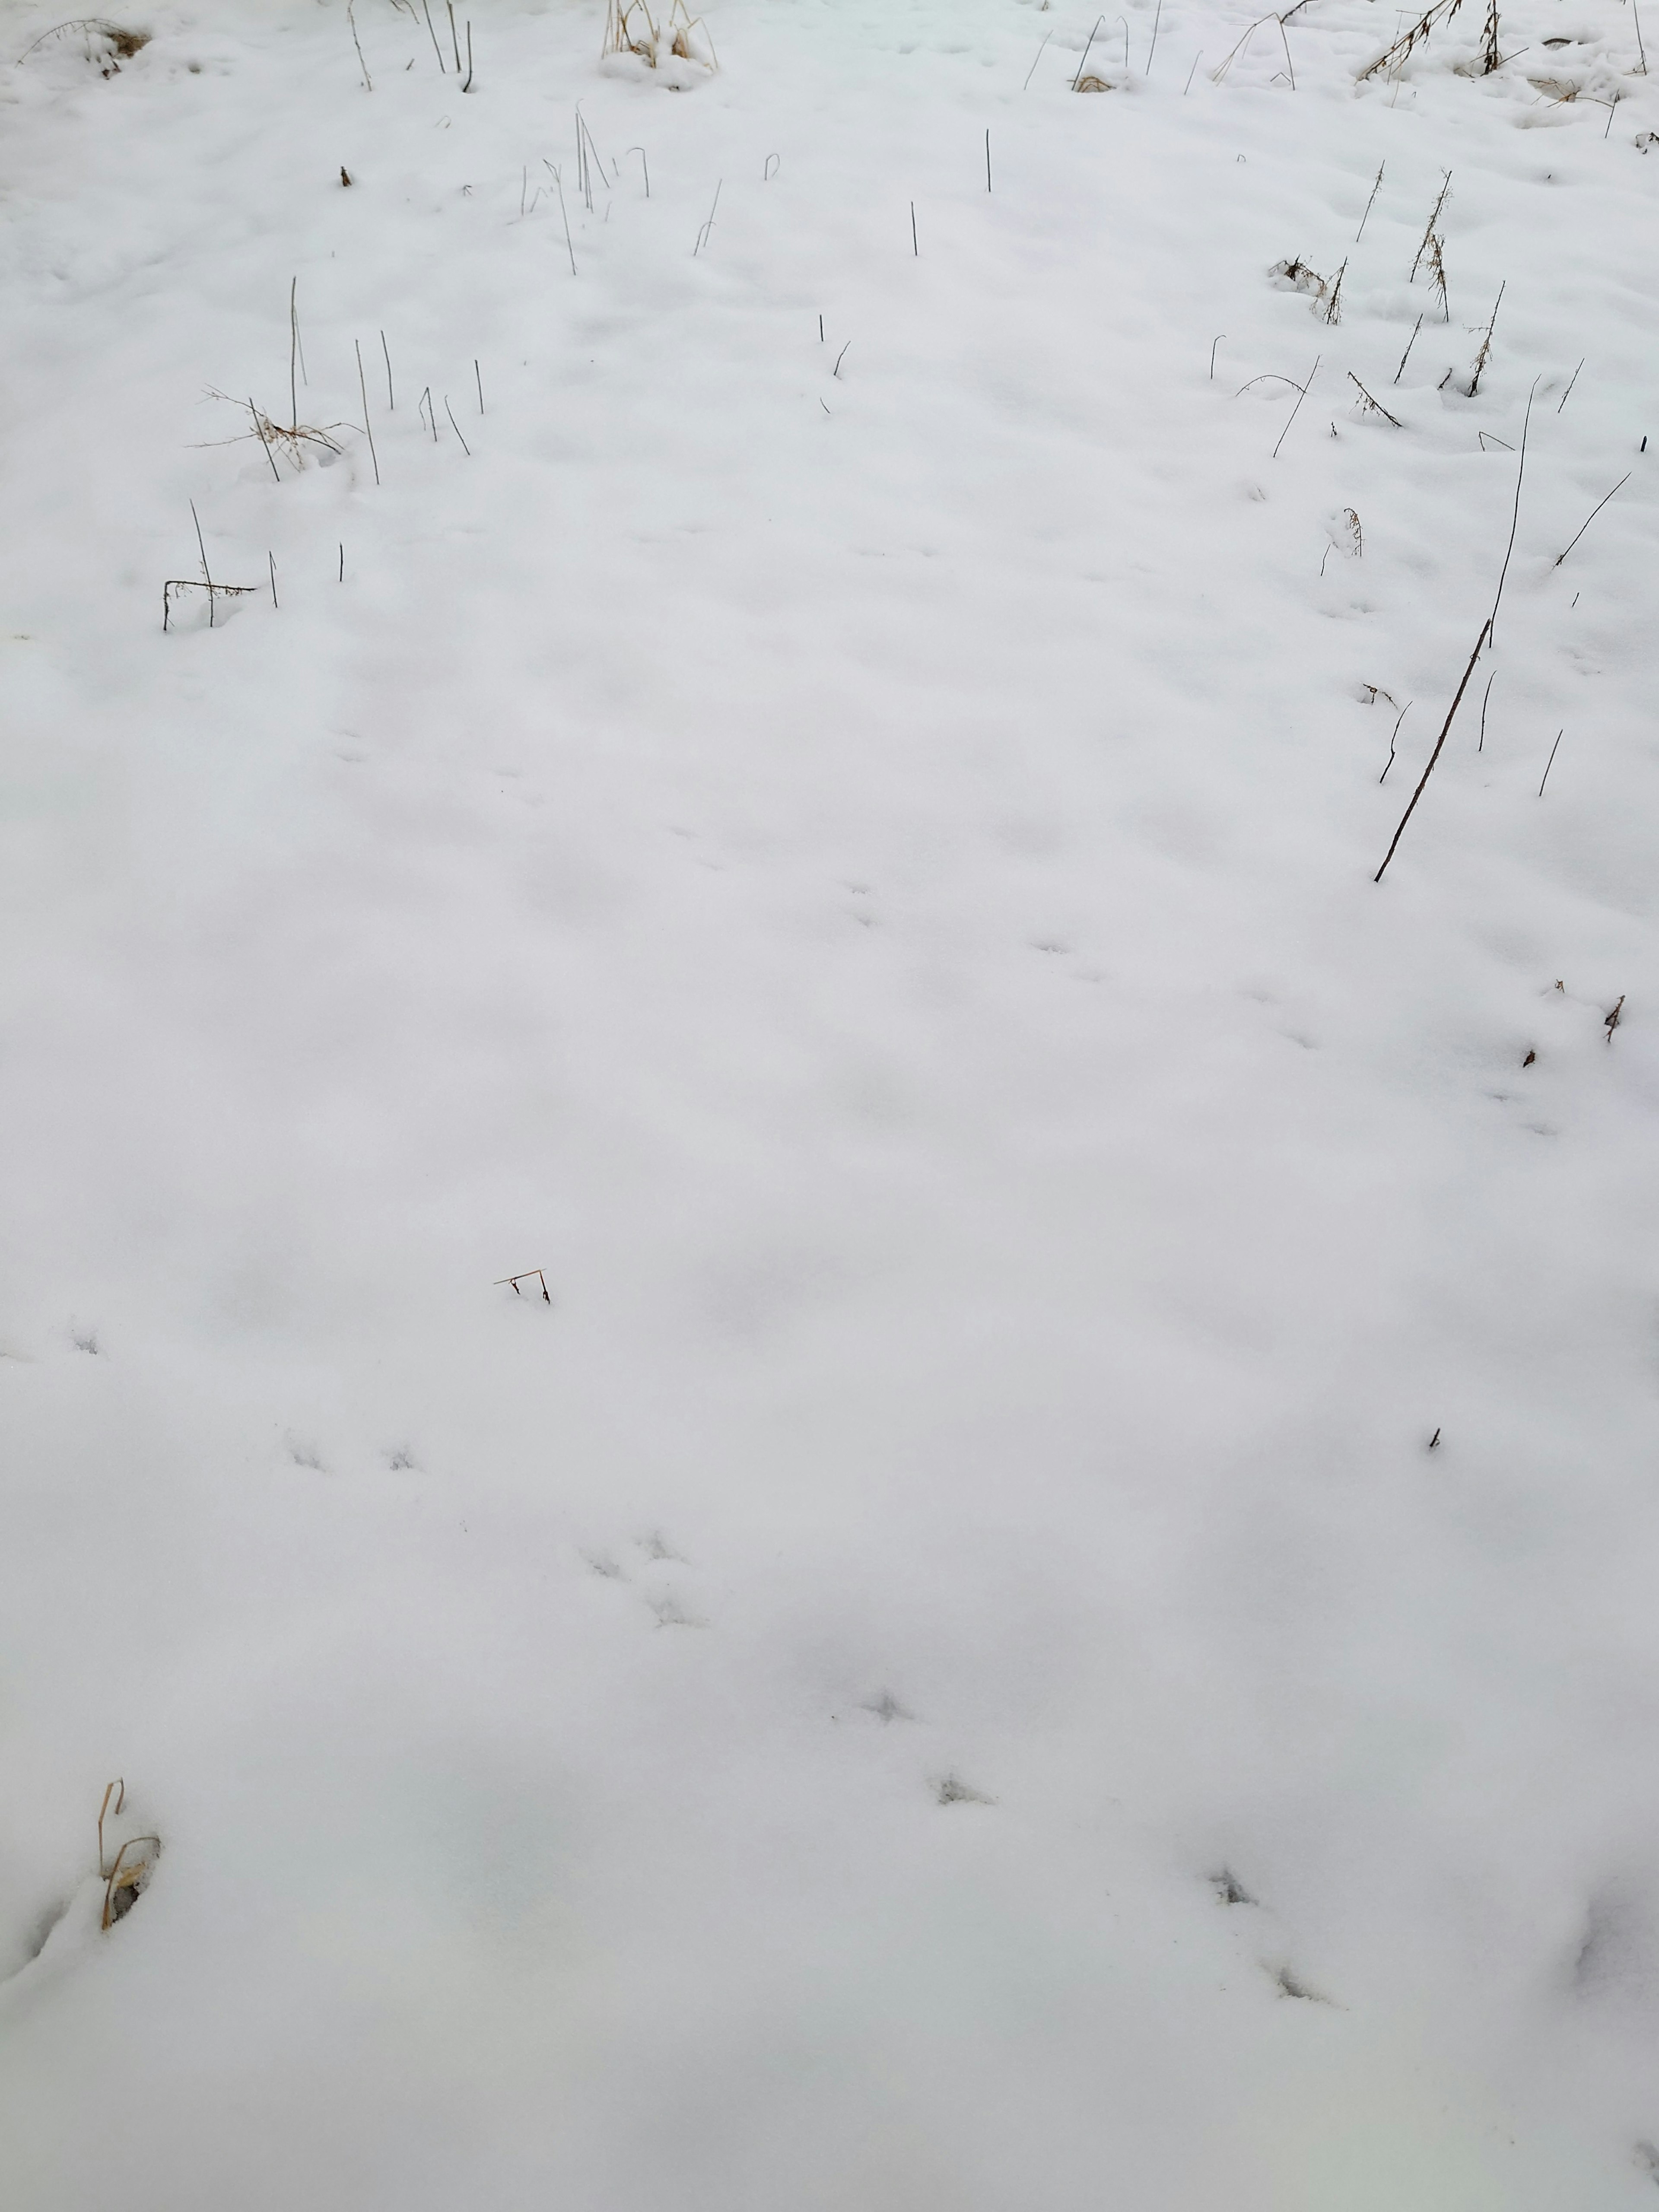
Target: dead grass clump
x=106, y=45
x=631, y=28
x=293, y=439
x=1394, y=58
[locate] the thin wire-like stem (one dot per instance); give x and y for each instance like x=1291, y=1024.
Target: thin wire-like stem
x=1636, y=14
x=1370, y=202
x=1589, y=519
x=1158, y=17
x=987, y=161
x=275, y=601
x=1031, y=72
x=352, y=18
x=915, y=243
x=477, y=378
x=1571, y=381
x=436, y=48
x=1548, y=765
x=1078, y=79
x=392, y=404
x=454, y=35
x=207, y=572
x=1301, y=394
x=292, y=352
x=456, y=426
x=1214, y=342
x=1484, y=697
x=1406, y=356
x=114, y=1787
x=1515, y=517
x=565, y=214
x=1192, y=73
x=467, y=86
x=368, y=428
x=1485, y=632
x=1393, y=734
x=259, y=425
x=644, y=164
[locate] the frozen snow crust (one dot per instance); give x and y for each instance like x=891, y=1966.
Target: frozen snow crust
x=946, y=1668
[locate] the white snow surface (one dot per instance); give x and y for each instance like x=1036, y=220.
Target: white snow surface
x=855, y=855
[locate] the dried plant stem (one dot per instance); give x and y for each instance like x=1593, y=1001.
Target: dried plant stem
x=1589, y=519
x=1370, y=202
x=293, y=348
x=1158, y=17
x=392, y=404
x=1485, y=342
x=1093, y=34
x=1543, y=780
x=1393, y=734
x=1515, y=517
x=1428, y=227
x=1301, y=394
x=352, y=18
x=1485, y=632
x=259, y=425
x=1484, y=697
x=1406, y=356
x=118, y=1789
x=1031, y=72
x=456, y=426
x=1571, y=381
x=1375, y=405
x=368, y=428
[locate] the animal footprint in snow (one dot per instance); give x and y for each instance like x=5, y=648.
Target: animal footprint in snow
x=603, y=1564
x=671, y=1614
x=887, y=1708
x=1229, y=1888
x=1291, y=1985
x=656, y=1547
x=951, y=1789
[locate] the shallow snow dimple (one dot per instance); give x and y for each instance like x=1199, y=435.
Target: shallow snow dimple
x=1616, y=1966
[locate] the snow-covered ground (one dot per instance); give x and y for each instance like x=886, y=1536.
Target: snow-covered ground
x=1059, y=1609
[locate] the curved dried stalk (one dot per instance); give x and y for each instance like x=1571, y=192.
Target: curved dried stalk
x=123, y=1877
x=125, y=43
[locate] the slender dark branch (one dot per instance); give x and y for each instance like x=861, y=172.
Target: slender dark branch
x=1406, y=356
x=1301, y=395
x=1486, y=633
x=1514, y=519
x=1589, y=517
x=456, y=426
x=1550, y=762
x=1375, y=405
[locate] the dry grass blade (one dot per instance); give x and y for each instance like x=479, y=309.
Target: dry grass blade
x=118, y=1789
